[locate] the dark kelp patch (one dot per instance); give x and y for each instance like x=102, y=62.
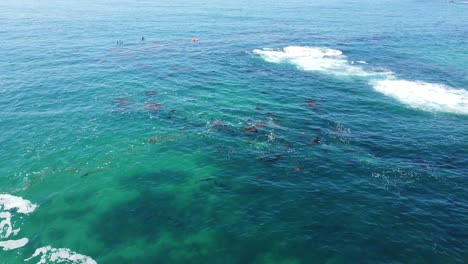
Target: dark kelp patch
x=143, y=217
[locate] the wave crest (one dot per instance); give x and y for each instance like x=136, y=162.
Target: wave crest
x=425, y=96
x=12, y=203
x=49, y=254
x=416, y=94
x=9, y=202
x=320, y=59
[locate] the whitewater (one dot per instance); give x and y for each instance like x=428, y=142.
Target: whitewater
x=415, y=94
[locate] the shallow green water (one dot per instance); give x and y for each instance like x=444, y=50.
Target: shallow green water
x=135, y=151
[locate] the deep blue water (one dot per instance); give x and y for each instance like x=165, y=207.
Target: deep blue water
x=234, y=132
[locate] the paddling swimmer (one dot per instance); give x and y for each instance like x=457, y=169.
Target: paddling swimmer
x=142, y=38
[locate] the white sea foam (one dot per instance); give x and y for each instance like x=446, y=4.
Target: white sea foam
x=49, y=254
x=13, y=244
x=15, y=204
x=9, y=202
x=416, y=94
x=425, y=96
x=6, y=228
x=320, y=59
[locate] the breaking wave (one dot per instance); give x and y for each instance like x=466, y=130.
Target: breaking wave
x=325, y=60
x=9, y=202
x=425, y=96
x=415, y=94
x=49, y=254
x=8, y=205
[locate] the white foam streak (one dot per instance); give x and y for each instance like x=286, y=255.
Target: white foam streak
x=318, y=59
x=425, y=96
x=13, y=244
x=416, y=94
x=6, y=228
x=9, y=202
x=16, y=204
x=57, y=255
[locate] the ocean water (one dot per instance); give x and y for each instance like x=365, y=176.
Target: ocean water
x=328, y=131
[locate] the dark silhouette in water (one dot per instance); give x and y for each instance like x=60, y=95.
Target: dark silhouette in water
x=217, y=123
x=315, y=140
x=142, y=38
x=251, y=129
x=161, y=138
x=207, y=179
x=311, y=103
x=122, y=103
x=151, y=106
x=272, y=158
x=90, y=172
x=261, y=124
x=151, y=93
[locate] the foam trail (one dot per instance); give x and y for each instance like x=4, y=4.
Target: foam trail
x=13, y=244
x=58, y=255
x=416, y=94
x=6, y=228
x=425, y=96
x=8, y=202
x=12, y=203
x=320, y=59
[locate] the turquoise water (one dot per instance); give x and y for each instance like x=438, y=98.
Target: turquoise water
x=116, y=149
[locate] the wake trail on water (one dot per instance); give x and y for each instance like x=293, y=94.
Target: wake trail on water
x=13, y=206
x=416, y=94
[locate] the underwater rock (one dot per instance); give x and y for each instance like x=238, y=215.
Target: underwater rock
x=151, y=93
x=271, y=158
x=162, y=138
x=261, y=124
x=151, y=106
x=250, y=129
x=315, y=140
x=311, y=103
x=217, y=123
x=123, y=101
